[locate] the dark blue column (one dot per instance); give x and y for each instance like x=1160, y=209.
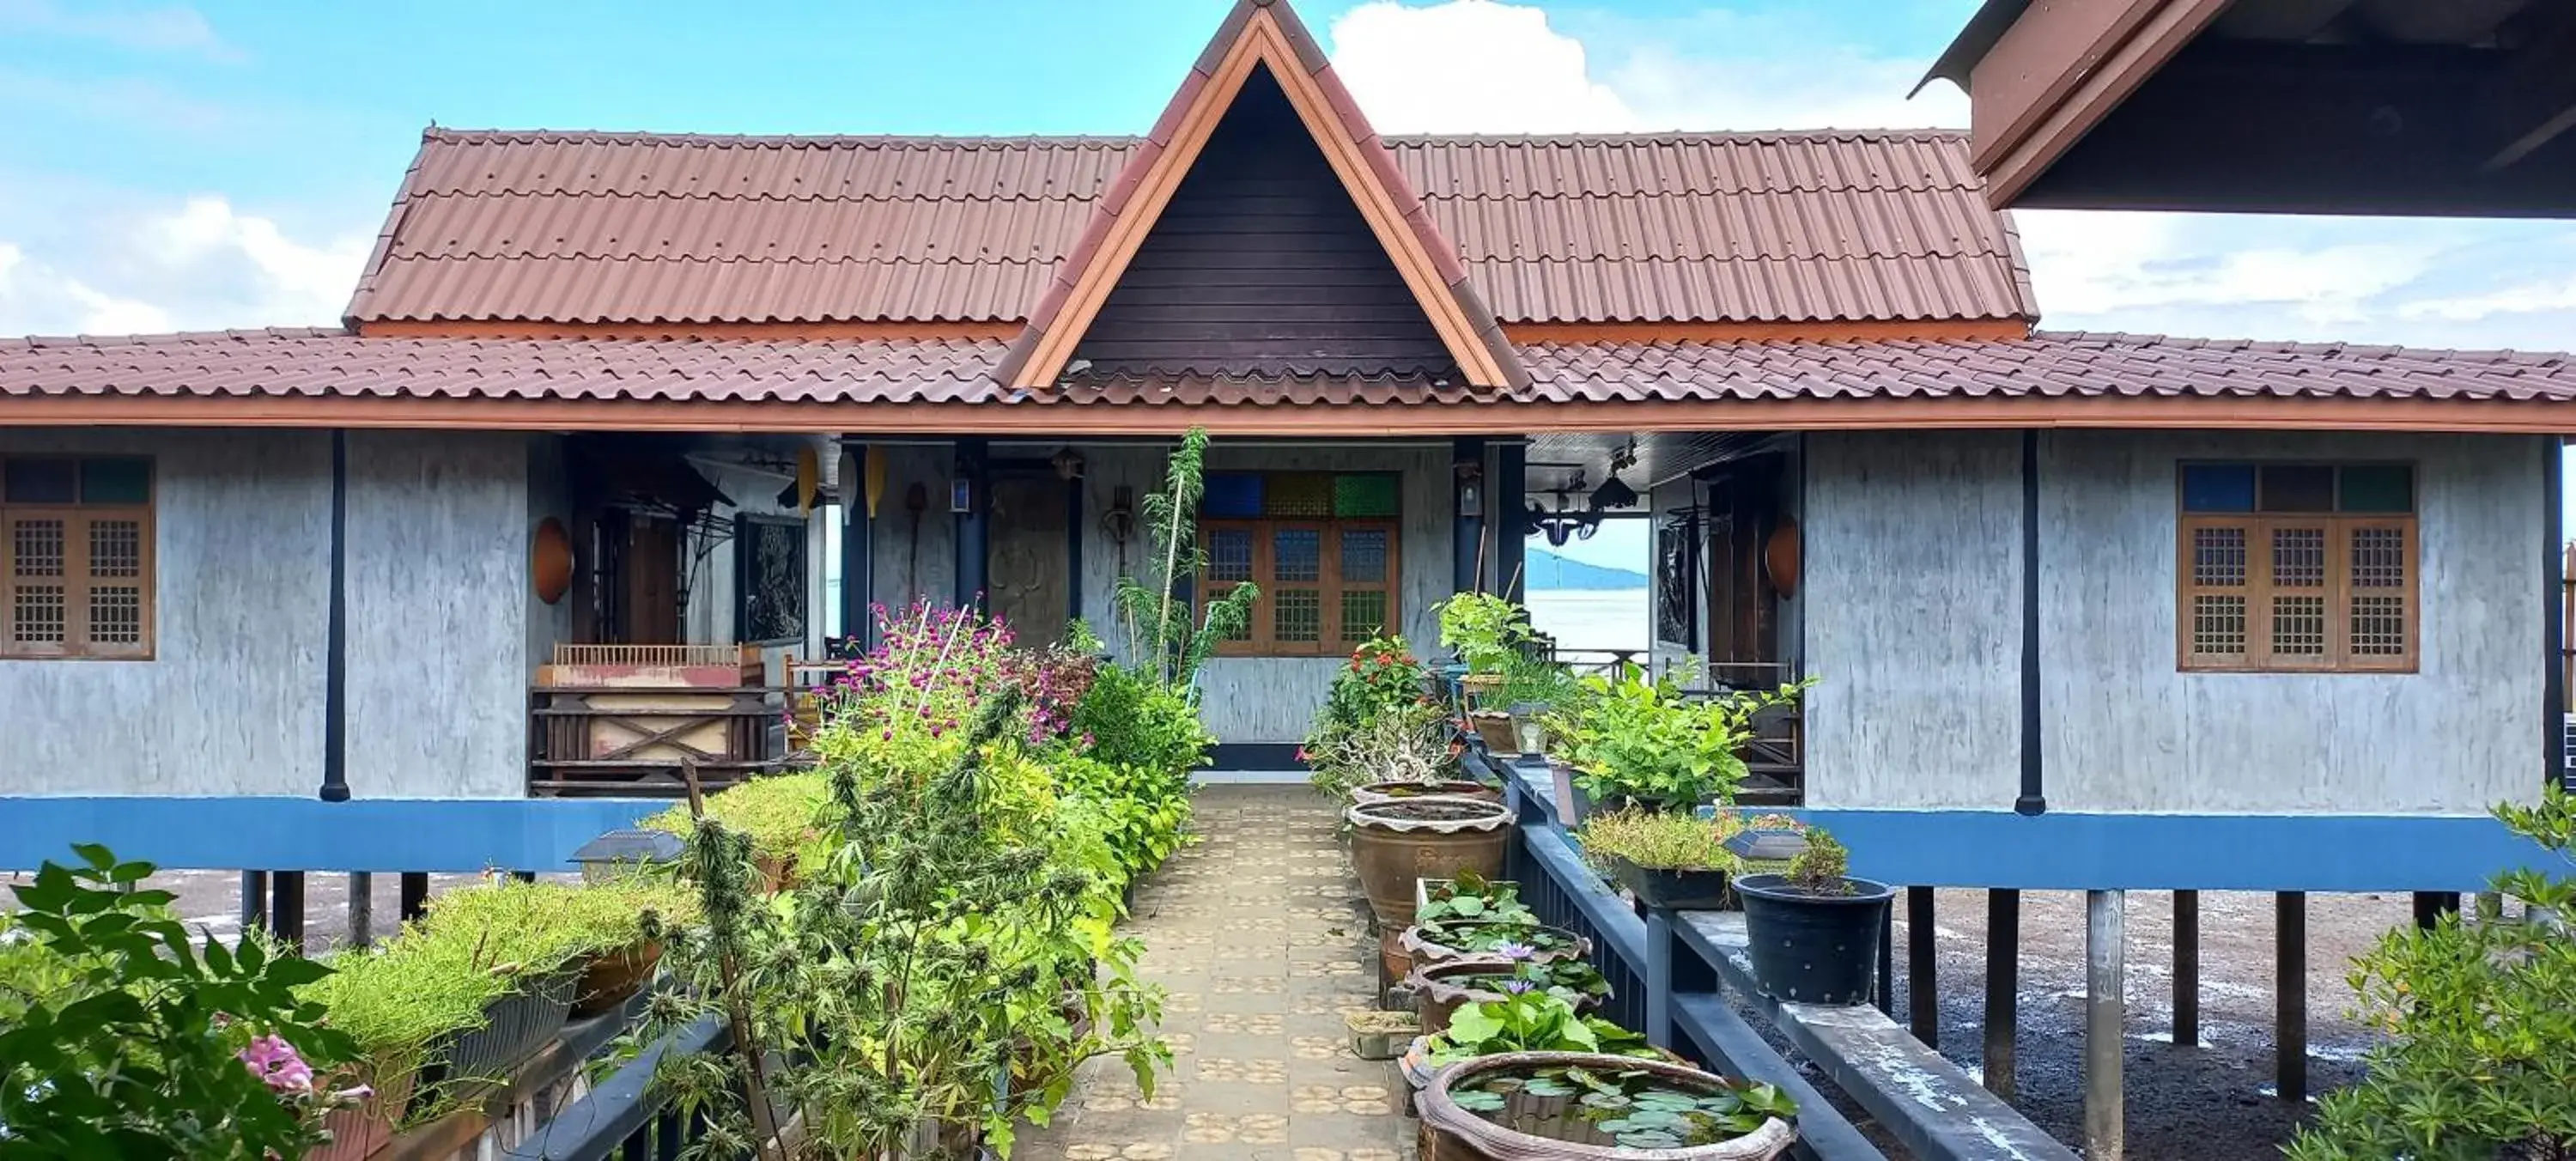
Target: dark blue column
x=1469, y=495
x=1507, y=502
x=971, y=505
x=2553, y=563
x=858, y=546
x=335, y=644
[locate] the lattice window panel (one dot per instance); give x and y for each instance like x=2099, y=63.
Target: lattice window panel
x=1325, y=585
x=2318, y=593
x=1297, y=616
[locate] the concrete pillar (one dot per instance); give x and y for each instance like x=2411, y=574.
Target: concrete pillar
x=2105, y=1011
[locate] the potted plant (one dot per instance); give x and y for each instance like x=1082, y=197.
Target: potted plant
x=1442, y=941
x=1671, y=860
x=1396, y=789
x=1439, y=989
x=1399, y=752
x=1813, y=933
x=1381, y=678
x=1467, y=896
x=1531, y=1021
x=1587, y=1105
x=1397, y=842
x=1635, y=740
x=1531, y=690
x=783, y=814
x=1486, y=632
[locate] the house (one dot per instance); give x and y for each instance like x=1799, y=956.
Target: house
x=2185, y=613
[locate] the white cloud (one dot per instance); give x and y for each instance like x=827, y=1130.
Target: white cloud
x=175, y=28
x=201, y=265
x=1490, y=66
x=1470, y=66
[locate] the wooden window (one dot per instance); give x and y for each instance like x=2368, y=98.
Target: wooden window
x=1321, y=546
x=76, y=557
x=2297, y=568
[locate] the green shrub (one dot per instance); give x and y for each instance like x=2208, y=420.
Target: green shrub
x=782, y=813
x=1666, y=841
x=1130, y=719
x=1631, y=736
x=2481, y=1018
x=1824, y=867
x=126, y=1039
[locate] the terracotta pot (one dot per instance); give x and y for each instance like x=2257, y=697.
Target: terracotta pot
x=777, y=871
x=1395, y=843
x=1450, y=1133
x=1399, y=789
x=1439, y=991
x=612, y=978
x=1495, y=729
x=1392, y=958
x=1422, y=952
x=364, y=1129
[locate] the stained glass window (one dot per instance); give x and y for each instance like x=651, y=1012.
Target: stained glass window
x=1320, y=546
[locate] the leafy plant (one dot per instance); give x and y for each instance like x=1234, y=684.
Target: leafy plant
x=1530, y=681
x=1531, y=1021
x=1409, y=743
x=1634, y=737
x=1160, y=633
x=1128, y=717
x=1629, y=1108
x=1666, y=841
x=138, y=1044
x=1470, y=896
x=1571, y=980
x=2481, y=1019
x=1484, y=630
x=1500, y=936
x=1824, y=867
x=781, y=814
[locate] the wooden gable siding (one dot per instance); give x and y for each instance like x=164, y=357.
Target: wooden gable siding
x=1262, y=262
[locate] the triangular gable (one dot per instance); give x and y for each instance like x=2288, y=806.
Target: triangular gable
x=1263, y=35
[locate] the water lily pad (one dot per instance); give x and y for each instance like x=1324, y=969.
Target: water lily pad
x=1647, y=1139
x=1477, y=1101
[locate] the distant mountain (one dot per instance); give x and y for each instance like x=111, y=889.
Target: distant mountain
x=1547, y=570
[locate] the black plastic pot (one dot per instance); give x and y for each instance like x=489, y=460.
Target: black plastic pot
x=1813, y=949
x=1683, y=890
x=514, y=1027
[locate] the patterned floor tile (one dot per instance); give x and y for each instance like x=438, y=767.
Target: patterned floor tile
x=1260, y=933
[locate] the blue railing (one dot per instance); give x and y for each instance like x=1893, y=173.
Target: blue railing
x=1680, y=978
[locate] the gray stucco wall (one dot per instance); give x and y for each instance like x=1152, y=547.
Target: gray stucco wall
x=438, y=598
x=1912, y=590
x=1913, y=625
x=2127, y=731
x=232, y=701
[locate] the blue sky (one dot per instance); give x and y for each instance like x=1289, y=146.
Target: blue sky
x=169, y=165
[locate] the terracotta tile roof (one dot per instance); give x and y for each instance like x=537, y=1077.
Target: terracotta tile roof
x=2046, y=364
x=311, y=363
x=594, y=227
x=331, y=362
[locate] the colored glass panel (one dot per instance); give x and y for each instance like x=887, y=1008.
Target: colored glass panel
x=1232, y=496
x=2377, y=488
x=40, y=481
x=2218, y=488
x=2298, y=488
x=1298, y=496
x=1364, y=495
x=116, y=481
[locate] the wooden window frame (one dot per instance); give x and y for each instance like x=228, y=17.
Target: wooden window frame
x=78, y=519
x=1329, y=585
x=2260, y=587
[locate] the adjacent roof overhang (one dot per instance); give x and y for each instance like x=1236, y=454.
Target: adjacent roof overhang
x=1264, y=35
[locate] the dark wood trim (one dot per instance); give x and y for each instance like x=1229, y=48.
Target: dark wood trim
x=335, y=643
x=974, y=547
x=1074, y=493
x=1506, y=497
x=2034, y=797
x=858, y=547
x=1467, y=547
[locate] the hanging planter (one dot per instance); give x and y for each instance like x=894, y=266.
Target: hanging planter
x=1553, y=1106
x=1395, y=843
x=612, y=978
x=514, y=1026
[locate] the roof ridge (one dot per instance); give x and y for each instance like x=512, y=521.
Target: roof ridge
x=441, y=133
x=541, y=134
x=147, y=337
x=1924, y=133
x=2359, y=347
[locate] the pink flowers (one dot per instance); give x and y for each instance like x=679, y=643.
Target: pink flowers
x=275, y=1062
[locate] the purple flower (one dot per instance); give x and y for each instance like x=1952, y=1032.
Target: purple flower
x=274, y=1061
x=1520, y=987
x=1516, y=952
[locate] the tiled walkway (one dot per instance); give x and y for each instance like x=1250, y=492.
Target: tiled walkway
x=1259, y=933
